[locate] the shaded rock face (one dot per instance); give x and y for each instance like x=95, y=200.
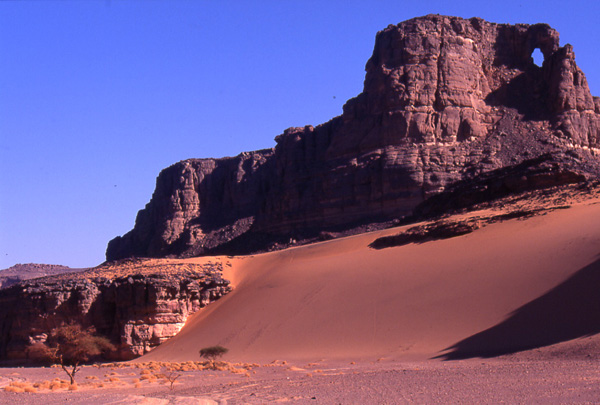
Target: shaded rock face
x=445, y=99
x=198, y=205
x=137, y=311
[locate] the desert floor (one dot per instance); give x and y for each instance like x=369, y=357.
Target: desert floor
x=545, y=376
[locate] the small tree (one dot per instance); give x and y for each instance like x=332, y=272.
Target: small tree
x=171, y=378
x=70, y=346
x=212, y=353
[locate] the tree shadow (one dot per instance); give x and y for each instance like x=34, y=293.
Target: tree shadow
x=569, y=311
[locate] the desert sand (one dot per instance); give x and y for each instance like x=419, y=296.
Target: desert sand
x=508, y=286
x=508, y=312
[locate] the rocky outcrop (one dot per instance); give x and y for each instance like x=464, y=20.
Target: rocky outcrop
x=136, y=304
x=445, y=99
x=542, y=172
x=442, y=229
x=449, y=228
x=198, y=205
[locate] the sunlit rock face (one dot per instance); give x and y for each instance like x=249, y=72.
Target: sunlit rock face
x=444, y=100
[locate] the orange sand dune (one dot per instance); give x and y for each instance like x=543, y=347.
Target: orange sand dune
x=506, y=287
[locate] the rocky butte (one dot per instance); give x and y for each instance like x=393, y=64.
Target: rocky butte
x=453, y=112
x=137, y=304
x=445, y=99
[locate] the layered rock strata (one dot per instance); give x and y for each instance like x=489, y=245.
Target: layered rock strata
x=138, y=305
x=445, y=99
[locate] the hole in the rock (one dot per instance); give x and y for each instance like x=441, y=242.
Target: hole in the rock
x=538, y=57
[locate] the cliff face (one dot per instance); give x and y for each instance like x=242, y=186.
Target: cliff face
x=198, y=204
x=445, y=99
x=138, y=304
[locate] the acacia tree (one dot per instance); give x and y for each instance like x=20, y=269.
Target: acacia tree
x=212, y=353
x=70, y=346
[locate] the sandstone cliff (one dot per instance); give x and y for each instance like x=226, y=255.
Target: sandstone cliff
x=137, y=304
x=445, y=99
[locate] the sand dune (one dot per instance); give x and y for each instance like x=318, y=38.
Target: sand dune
x=508, y=286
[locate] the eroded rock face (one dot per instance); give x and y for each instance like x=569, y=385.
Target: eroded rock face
x=198, y=205
x=445, y=99
x=137, y=305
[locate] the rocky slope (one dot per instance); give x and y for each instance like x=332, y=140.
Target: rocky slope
x=137, y=304
x=445, y=99
x=20, y=272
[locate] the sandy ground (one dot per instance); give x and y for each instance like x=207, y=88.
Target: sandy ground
x=507, y=313
x=505, y=379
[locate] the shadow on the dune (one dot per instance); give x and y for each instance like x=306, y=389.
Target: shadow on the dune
x=568, y=311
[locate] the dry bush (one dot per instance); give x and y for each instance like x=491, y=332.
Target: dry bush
x=10, y=388
x=20, y=386
x=73, y=387
x=91, y=377
x=44, y=385
x=55, y=385
x=138, y=385
x=153, y=365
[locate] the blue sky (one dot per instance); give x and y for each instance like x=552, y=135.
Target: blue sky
x=96, y=97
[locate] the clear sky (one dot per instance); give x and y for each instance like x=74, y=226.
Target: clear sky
x=96, y=97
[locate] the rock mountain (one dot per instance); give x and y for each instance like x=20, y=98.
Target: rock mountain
x=445, y=99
